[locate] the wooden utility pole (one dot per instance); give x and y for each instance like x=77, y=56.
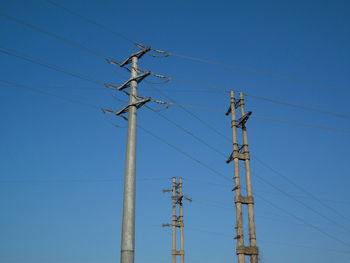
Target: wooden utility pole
x=177, y=221
x=241, y=153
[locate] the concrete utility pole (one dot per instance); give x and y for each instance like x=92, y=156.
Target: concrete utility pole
x=241, y=153
x=177, y=221
x=128, y=223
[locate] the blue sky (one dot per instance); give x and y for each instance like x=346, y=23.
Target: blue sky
x=62, y=163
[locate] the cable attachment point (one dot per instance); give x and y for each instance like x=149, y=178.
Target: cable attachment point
x=137, y=104
x=163, y=53
x=237, y=103
x=243, y=120
x=188, y=199
x=235, y=188
x=138, y=54
x=112, y=61
x=138, y=79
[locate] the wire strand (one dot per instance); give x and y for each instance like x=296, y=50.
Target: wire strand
x=53, y=35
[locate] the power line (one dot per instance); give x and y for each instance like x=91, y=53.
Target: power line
x=51, y=94
x=14, y=53
x=164, y=141
x=264, y=180
x=90, y=21
x=301, y=124
x=53, y=35
x=307, y=108
x=258, y=72
x=277, y=188
x=89, y=180
x=178, y=149
x=304, y=221
x=187, y=131
x=259, y=191
x=300, y=202
x=264, y=241
x=232, y=67
x=298, y=106
x=297, y=186
x=122, y=36
x=183, y=107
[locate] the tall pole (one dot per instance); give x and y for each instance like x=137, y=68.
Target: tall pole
x=174, y=221
x=128, y=223
x=182, y=250
x=239, y=226
x=252, y=237
x=177, y=221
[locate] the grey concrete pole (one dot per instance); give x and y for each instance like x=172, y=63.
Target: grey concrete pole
x=240, y=237
x=252, y=236
x=173, y=252
x=182, y=250
x=128, y=224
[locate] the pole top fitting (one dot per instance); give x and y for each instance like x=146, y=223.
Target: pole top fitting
x=137, y=54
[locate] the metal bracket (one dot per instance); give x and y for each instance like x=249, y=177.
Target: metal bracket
x=179, y=199
x=240, y=156
x=177, y=252
x=243, y=120
x=247, y=250
x=235, y=188
x=138, y=79
x=244, y=200
x=137, y=104
x=237, y=104
x=137, y=54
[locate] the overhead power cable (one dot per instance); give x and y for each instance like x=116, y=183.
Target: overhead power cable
x=298, y=187
x=183, y=107
x=188, y=132
x=273, y=242
x=14, y=53
x=283, y=192
x=50, y=94
x=166, y=54
x=300, y=124
x=277, y=76
x=86, y=19
x=178, y=149
x=307, y=108
x=303, y=221
x=53, y=35
x=300, y=202
x=298, y=106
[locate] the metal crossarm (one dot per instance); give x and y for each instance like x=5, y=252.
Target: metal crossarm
x=237, y=104
x=138, y=79
x=243, y=120
x=137, y=104
x=230, y=158
x=138, y=54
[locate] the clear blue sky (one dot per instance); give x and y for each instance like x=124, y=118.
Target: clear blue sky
x=62, y=164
